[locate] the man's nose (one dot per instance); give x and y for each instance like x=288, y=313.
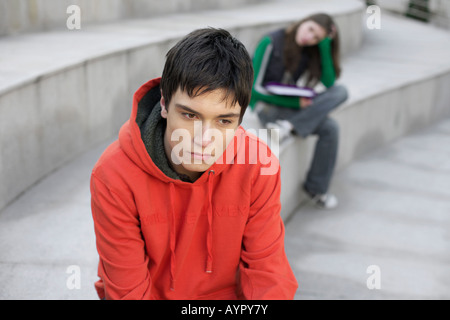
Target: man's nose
x=203, y=134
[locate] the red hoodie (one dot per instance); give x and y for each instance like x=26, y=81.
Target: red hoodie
x=220, y=237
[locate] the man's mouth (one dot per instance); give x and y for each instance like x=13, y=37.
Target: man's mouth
x=201, y=156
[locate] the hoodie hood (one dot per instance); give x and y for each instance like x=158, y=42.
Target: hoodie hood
x=152, y=134
x=142, y=139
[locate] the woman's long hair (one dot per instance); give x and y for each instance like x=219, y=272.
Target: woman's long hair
x=293, y=52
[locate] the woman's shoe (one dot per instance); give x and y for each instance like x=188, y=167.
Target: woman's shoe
x=323, y=201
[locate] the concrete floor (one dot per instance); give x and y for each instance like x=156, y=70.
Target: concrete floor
x=394, y=214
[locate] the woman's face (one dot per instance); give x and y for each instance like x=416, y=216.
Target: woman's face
x=310, y=33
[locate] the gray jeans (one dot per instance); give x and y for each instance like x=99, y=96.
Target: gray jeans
x=314, y=120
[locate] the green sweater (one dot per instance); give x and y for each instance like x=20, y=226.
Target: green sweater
x=260, y=63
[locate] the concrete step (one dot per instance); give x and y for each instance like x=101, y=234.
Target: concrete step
x=62, y=92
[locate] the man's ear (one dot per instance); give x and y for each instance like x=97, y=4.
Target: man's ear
x=163, y=107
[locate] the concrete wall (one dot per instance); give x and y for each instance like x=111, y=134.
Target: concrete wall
x=377, y=120
x=17, y=16
x=45, y=124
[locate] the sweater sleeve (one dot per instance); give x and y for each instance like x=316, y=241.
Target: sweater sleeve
x=259, y=93
x=264, y=272
x=123, y=266
x=328, y=73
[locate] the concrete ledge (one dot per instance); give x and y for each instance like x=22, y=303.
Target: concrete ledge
x=62, y=93
x=19, y=16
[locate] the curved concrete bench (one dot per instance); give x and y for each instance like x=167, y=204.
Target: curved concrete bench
x=63, y=92
x=398, y=82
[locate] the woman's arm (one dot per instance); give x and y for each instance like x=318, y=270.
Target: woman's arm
x=259, y=93
x=328, y=73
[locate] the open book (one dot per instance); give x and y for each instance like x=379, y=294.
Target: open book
x=289, y=90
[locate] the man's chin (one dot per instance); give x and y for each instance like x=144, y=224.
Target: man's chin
x=196, y=167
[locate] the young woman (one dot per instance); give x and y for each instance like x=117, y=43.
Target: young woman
x=305, y=54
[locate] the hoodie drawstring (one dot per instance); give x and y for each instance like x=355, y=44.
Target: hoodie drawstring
x=172, y=235
x=210, y=216
x=173, y=231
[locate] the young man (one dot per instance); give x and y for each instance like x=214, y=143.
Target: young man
x=182, y=206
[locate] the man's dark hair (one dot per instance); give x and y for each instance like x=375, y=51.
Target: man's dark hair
x=206, y=60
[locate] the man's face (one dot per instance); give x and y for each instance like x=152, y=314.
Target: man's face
x=199, y=130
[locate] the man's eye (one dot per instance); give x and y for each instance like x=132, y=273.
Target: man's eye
x=225, y=122
x=189, y=116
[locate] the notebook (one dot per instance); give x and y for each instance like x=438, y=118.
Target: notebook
x=289, y=90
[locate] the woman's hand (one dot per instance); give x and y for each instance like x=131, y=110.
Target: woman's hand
x=333, y=32
x=305, y=102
